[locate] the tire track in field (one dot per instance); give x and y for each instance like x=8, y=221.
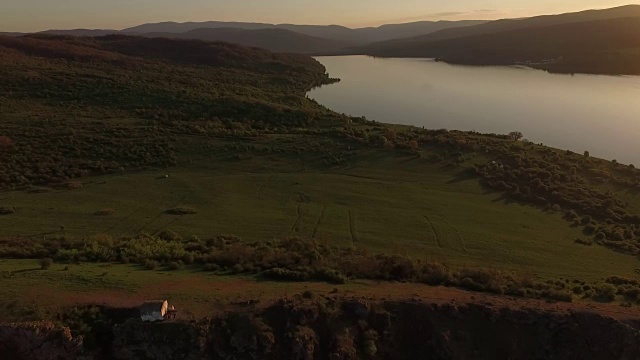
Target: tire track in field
x=458, y=235
x=166, y=226
x=295, y=226
x=319, y=222
x=352, y=226
x=161, y=213
x=264, y=185
x=128, y=216
x=433, y=229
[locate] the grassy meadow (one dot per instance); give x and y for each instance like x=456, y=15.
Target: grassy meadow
x=381, y=201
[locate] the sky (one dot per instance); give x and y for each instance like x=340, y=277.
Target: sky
x=36, y=15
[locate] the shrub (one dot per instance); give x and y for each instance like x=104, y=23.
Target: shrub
x=600, y=236
x=176, y=265
x=188, y=258
x=70, y=185
x=181, y=211
x=284, y=274
x=151, y=264
x=169, y=235
x=586, y=220
x=104, y=212
x=330, y=275
x=45, y=263
x=606, y=292
x=434, y=274
x=211, y=267
x=237, y=269
x=560, y=295
x=589, y=229
x=587, y=242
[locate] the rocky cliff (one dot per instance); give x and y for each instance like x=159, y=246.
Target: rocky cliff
x=334, y=328
x=38, y=340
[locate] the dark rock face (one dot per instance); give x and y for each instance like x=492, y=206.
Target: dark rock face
x=147, y=341
x=330, y=328
x=38, y=340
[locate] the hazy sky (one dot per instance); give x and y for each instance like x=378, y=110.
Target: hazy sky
x=34, y=15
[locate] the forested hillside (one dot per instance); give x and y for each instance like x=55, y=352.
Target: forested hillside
x=278, y=40
x=595, y=41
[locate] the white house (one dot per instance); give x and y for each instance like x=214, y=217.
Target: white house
x=152, y=311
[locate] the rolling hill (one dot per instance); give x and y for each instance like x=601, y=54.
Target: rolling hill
x=332, y=32
x=603, y=47
x=399, y=31
x=606, y=46
x=278, y=40
x=80, y=32
x=358, y=36
x=305, y=39
x=503, y=26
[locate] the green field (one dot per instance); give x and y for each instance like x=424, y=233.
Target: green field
x=384, y=202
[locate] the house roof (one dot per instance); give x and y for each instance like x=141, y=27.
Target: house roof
x=152, y=306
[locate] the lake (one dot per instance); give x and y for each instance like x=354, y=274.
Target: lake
x=600, y=114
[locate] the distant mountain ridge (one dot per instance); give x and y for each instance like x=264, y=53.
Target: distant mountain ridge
x=80, y=32
x=277, y=40
x=601, y=44
x=395, y=47
x=304, y=39
x=333, y=32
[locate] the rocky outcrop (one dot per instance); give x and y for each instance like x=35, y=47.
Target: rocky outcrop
x=38, y=340
x=154, y=341
x=340, y=329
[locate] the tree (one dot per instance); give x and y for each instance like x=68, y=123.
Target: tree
x=414, y=146
x=390, y=134
x=586, y=154
x=45, y=263
x=515, y=135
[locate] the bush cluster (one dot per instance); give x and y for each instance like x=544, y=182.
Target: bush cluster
x=295, y=259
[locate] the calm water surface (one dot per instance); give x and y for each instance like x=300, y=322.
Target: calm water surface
x=582, y=112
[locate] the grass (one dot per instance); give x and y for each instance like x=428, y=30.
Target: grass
x=383, y=201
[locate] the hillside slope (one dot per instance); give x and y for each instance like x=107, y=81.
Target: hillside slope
x=505, y=25
x=400, y=31
x=602, y=47
x=278, y=40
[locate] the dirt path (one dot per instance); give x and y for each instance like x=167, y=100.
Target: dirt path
x=319, y=222
x=352, y=226
x=199, y=294
x=433, y=230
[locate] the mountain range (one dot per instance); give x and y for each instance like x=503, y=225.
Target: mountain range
x=414, y=45
x=278, y=40
x=595, y=41
x=307, y=39
x=332, y=32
